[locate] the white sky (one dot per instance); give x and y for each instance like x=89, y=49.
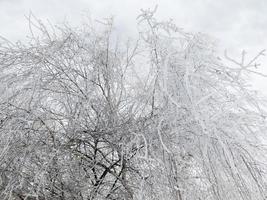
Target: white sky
x=238, y=24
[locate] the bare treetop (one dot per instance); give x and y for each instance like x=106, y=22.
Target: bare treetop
x=79, y=121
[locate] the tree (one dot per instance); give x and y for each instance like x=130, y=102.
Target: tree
x=78, y=121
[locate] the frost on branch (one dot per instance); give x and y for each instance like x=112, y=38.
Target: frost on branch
x=211, y=126
x=78, y=121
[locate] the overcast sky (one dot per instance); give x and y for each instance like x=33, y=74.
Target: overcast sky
x=237, y=24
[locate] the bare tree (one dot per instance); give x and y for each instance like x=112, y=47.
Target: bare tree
x=65, y=117
x=79, y=121
x=209, y=126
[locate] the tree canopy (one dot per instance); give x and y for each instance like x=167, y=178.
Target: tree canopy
x=84, y=116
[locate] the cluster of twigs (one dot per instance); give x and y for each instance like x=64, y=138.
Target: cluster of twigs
x=78, y=120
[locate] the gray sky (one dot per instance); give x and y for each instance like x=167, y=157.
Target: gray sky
x=237, y=24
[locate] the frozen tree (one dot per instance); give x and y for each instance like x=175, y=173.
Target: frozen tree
x=83, y=116
x=209, y=127
x=65, y=116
